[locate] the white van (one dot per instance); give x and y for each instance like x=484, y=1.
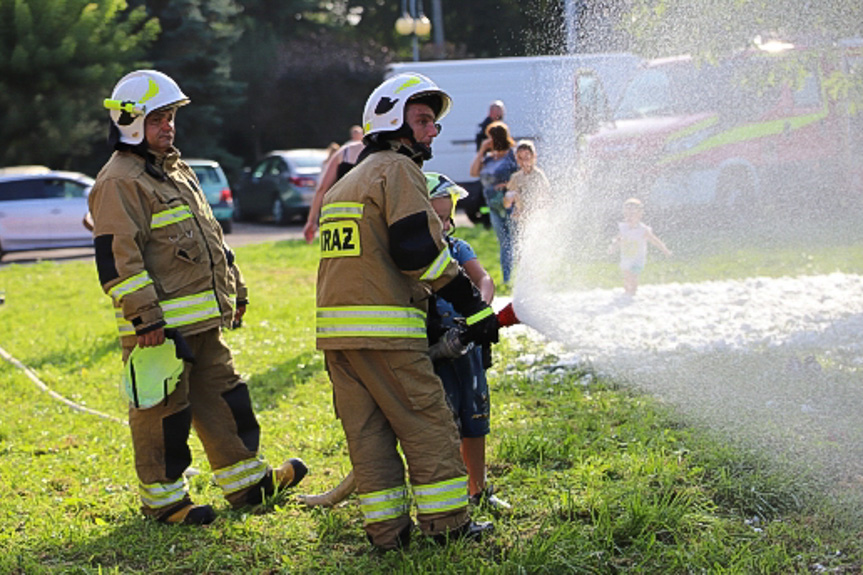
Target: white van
x=551, y=100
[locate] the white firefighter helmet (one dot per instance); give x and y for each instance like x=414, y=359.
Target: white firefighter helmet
x=385, y=108
x=136, y=95
x=151, y=374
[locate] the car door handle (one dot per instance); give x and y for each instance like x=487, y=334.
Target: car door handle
x=56, y=211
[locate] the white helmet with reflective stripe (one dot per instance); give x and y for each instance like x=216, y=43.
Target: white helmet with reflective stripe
x=136, y=95
x=385, y=108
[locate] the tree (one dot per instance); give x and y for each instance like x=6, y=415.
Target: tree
x=709, y=28
x=665, y=27
x=194, y=48
x=479, y=29
x=58, y=60
x=306, y=76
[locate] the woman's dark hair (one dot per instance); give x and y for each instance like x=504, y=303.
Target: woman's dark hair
x=500, y=138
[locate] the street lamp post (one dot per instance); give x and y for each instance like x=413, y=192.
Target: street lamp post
x=413, y=22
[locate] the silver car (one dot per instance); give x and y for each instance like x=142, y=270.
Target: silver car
x=43, y=209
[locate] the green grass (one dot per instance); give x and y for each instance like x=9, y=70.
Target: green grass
x=602, y=479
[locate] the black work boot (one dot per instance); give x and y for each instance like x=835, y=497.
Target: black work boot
x=289, y=473
x=284, y=476
x=187, y=513
x=472, y=530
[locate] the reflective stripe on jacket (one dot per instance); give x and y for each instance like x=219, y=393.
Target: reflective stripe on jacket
x=366, y=299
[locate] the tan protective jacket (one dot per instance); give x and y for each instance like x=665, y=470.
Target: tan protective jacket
x=364, y=299
x=160, y=252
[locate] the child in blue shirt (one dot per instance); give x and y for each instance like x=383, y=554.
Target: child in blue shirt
x=464, y=377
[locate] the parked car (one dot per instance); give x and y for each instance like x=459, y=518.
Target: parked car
x=215, y=185
x=43, y=209
x=280, y=186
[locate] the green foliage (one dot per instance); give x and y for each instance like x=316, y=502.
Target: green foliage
x=667, y=27
x=58, y=60
x=602, y=479
x=195, y=48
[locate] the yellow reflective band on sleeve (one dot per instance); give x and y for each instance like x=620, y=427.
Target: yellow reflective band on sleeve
x=335, y=210
x=340, y=239
x=384, y=504
x=158, y=495
x=240, y=475
x=190, y=309
x=168, y=217
x=443, y=496
x=124, y=325
x=479, y=316
x=178, y=311
x=370, y=321
x=437, y=267
x=130, y=285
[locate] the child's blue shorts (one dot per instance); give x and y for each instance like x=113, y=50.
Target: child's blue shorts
x=467, y=392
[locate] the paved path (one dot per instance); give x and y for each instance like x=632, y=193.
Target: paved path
x=243, y=233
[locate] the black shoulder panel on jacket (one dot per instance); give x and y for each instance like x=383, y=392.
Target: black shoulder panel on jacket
x=411, y=244
x=229, y=254
x=105, y=264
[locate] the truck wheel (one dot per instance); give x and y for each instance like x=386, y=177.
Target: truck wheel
x=734, y=191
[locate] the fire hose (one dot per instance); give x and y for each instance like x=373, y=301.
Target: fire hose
x=451, y=345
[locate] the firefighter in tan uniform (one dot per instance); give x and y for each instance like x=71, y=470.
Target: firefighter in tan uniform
x=161, y=257
x=382, y=255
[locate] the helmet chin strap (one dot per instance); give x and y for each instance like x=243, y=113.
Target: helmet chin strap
x=415, y=151
x=419, y=153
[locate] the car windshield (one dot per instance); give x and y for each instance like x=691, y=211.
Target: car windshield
x=677, y=89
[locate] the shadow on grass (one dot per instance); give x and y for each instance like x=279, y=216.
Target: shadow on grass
x=76, y=355
x=269, y=387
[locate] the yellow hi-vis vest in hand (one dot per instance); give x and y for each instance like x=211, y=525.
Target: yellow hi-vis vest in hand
x=151, y=374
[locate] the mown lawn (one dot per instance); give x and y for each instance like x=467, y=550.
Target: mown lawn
x=602, y=479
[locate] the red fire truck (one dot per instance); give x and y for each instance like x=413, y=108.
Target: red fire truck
x=752, y=130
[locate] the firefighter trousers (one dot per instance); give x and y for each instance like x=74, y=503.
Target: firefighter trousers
x=389, y=397
x=211, y=397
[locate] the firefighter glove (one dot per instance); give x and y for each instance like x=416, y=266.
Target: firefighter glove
x=482, y=327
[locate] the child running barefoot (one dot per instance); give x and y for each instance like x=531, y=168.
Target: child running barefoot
x=632, y=238
x=463, y=377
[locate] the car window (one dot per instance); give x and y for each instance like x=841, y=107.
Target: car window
x=206, y=174
x=60, y=188
x=261, y=169
x=30, y=189
x=808, y=95
x=277, y=167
